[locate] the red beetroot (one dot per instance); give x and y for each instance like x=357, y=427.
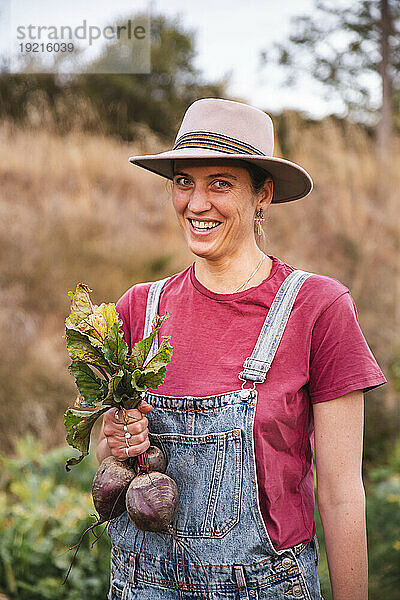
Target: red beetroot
x=109, y=487
x=157, y=460
x=152, y=501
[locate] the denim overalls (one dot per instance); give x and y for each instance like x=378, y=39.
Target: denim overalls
x=225, y=550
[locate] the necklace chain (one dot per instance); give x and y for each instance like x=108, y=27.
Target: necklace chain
x=253, y=273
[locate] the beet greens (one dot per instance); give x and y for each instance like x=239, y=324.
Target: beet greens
x=106, y=374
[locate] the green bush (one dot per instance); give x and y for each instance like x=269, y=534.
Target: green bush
x=383, y=522
x=383, y=530
x=43, y=511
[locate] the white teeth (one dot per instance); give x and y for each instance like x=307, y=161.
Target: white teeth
x=204, y=224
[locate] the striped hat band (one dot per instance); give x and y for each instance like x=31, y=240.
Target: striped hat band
x=215, y=141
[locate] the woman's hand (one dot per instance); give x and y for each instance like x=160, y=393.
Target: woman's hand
x=136, y=425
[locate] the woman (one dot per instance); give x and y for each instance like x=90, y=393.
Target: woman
x=267, y=358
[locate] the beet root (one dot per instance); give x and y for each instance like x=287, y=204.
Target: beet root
x=157, y=460
x=109, y=486
x=152, y=501
x=110, y=483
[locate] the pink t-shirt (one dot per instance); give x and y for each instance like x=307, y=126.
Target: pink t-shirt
x=322, y=355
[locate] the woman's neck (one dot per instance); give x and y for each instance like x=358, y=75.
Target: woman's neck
x=225, y=275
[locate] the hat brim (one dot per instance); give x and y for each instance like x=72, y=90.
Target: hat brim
x=292, y=182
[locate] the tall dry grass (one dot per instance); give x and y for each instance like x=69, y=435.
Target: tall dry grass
x=72, y=209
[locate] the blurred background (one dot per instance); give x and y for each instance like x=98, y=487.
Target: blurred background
x=73, y=209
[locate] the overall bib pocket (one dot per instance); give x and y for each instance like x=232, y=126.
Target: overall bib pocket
x=206, y=469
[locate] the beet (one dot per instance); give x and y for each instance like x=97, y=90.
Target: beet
x=109, y=486
x=152, y=501
x=157, y=460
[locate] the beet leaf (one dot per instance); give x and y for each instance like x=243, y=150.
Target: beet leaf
x=81, y=305
x=162, y=356
x=142, y=348
x=114, y=345
x=80, y=348
x=92, y=389
x=79, y=424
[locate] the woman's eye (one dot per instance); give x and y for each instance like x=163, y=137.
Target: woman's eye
x=182, y=181
x=221, y=183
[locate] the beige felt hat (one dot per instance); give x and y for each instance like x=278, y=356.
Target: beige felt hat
x=218, y=128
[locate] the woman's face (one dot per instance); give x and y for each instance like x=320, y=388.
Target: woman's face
x=215, y=205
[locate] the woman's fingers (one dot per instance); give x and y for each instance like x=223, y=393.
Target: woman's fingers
x=127, y=431
x=145, y=407
x=113, y=429
x=123, y=417
x=121, y=451
x=137, y=449
x=135, y=438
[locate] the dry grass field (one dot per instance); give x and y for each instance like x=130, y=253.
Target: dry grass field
x=73, y=209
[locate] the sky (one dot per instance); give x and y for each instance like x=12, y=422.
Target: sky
x=229, y=37
x=230, y=34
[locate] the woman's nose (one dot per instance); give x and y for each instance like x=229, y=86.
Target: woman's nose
x=198, y=201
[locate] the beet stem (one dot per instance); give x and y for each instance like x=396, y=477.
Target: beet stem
x=98, y=522
x=143, y=465
x=78, y=545
x=165, y=542
x=190, y=550
x=92, y=526
x=98, y=536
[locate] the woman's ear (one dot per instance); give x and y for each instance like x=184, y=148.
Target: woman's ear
x=266, y=194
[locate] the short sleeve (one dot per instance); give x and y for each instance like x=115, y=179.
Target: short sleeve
x=131, y=308
x=340, y=358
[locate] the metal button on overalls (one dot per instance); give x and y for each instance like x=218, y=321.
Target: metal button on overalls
x=287, y=562
x=297, y=591
x=221, y=547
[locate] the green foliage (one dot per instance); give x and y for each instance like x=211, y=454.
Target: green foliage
x=79, y=425
x=95, y=338
x=117, y=104
x=81, y=305
x=142, y=348
x=383, y=522
x=383, y=530
x=92, y=389
x=43, y=512
x=115, y=347
x=394, y=370
x=81, y=348
x=157, y=99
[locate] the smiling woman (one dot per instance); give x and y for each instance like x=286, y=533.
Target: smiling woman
x=216, y=208
x=269, y=364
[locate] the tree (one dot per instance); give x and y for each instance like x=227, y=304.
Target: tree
x=159, y=98
x=350, y=47
x=115, y=104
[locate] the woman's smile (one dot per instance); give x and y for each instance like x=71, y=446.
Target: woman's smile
x=203, y=227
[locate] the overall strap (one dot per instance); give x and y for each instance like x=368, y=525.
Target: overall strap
x=151, y=311
x=256, y=366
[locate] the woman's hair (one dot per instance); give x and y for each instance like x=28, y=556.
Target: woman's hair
x=258, y=176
